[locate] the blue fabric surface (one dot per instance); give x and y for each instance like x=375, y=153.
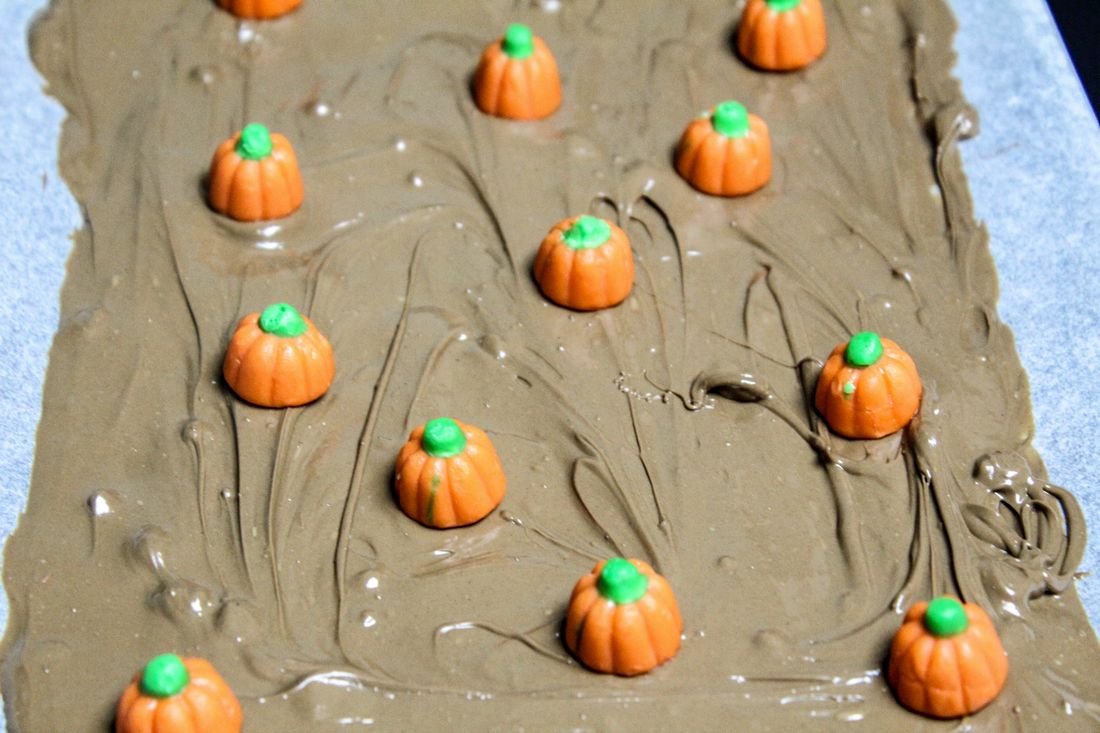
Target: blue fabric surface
x=1034, y=171
x=37, y=216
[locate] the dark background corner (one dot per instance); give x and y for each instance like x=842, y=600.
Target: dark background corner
x=1079, y=22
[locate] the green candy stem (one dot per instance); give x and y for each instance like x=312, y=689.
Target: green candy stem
x=164, y=676
x=945, y=617
x=443, y=438
x=282, y=320
x=731, y=119
x=782, y=6
x=254, y=143
x=621, y=582
x=518, y=41
x=864, y=349
x=587, y=232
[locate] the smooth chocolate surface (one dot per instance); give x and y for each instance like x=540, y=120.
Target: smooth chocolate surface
x=165, y=514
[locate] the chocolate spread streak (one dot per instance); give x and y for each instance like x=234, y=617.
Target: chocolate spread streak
x=166, y=514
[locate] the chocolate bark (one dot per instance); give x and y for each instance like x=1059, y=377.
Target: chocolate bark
x=167, y=515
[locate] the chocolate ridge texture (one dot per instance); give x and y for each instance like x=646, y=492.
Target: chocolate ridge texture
x=166, y=515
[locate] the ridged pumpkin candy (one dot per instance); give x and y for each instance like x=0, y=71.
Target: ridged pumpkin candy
x=254, y=176
x=448, y=475
x=781, y=35
x=623, y=619
x=868, y=388
x=947, y=660
x=259, y=9
x=726, y=152
x=278, y=358
x=585, y=263
x=173, y=695
x=517, y=77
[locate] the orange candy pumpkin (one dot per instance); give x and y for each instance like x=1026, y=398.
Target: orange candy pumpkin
x=173, y=695
x=947, y=660
x=448, y=475
x=517, y=77
x=278, y=358
x=623, y=619
x=254, y=176
x=259, y=9
x=585, y=263
x=781, y=35
x=868, y=388
x=727, y=152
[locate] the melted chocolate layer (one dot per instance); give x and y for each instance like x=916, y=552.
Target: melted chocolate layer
x=165, y=514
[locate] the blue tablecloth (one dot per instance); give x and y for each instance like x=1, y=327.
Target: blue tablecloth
x=1034, y=171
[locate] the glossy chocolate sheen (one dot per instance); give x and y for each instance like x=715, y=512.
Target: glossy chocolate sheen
x=167, y=515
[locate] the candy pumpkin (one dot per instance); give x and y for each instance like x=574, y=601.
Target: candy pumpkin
x=278, y=358
x=259, y=9
x=623, y=619
x=173, y=695
x=781, y=35
x=448, y=474
x=946, y=660
x=254, y=176
x=868, y=388
x=517, y=77
x=726, y=152
x=585, y=263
